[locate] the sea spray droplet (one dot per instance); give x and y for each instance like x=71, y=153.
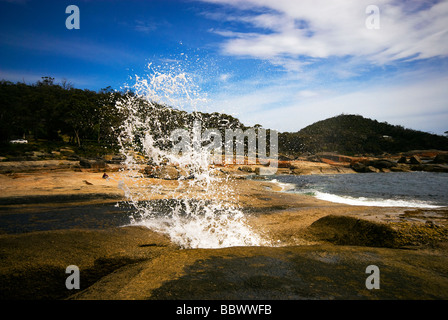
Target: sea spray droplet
x=195, y=207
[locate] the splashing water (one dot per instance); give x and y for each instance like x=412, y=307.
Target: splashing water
x=196, y=206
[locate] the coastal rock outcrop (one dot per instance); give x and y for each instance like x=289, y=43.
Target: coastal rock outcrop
x=441, y=158
x=415, y=163
x=93, y=164
x=402, y=160
x=401, y=167
x=430, y=167
x=415, y=160
x=345, y=230
x=382, y=164
x=363, y=168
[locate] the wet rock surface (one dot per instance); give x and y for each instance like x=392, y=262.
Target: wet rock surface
x=136, y=264
x=315, y=272
x=33, y=264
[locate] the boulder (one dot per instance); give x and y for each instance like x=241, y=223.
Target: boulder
x=114, y=158
x=417, y=167
x=441, y=158
x=346, y=230
x=371, y=169
x=98, y=164
x=415, y=160
x=382, y=163
x=92, y=164
x=66, y=150
x=283, y=157
x=247, y=169
x=149, y=171
x=40, y=154
x=168, y=173
x=84, y=163
x=430, y=167
x=402, y=160
x=435, y=168
x=401, y=167
x=165, y=172
x=360, y=167
x=284, y=164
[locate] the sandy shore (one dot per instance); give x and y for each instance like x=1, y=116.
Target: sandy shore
x=320, y=251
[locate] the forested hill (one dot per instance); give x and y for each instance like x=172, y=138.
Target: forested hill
x=56, y=113
x=354, y=134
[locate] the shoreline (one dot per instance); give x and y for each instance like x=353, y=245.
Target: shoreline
x=322, y=243
x=279, y=215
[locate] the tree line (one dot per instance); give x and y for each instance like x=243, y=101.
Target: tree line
x=46, y=110
x=52, y=111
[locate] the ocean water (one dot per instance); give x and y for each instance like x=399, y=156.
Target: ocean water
x=394, y=189
x=59, y=216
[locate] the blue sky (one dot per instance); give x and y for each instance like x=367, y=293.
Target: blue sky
x=283, y=64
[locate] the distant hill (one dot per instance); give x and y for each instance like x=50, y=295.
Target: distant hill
x=354, y=134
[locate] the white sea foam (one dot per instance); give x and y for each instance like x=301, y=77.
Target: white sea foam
x=214, y=231
x=283, y=185
x=362, y=201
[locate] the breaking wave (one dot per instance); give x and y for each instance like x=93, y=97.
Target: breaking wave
x=373, y=202
x=200, y=210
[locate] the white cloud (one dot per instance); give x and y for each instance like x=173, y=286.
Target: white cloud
x=292, y=30
x=225, y=77
x=344, y=66
x=145, y=26
x=307, y=93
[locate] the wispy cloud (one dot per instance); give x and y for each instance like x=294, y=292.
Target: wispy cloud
x=336, y=64
x=148, y=27
x=144, y=26
x=291, y=32
x=225, y=77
